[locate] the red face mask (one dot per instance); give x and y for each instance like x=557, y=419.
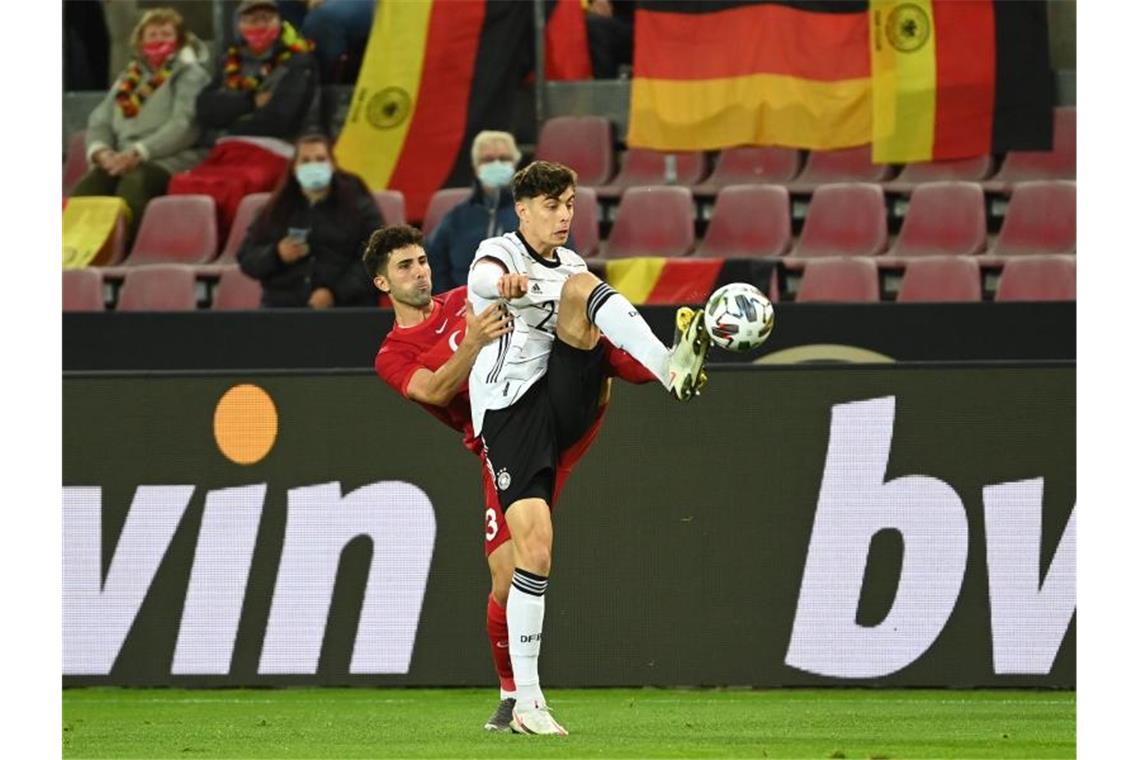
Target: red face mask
x=261, y=38
x=157, y=52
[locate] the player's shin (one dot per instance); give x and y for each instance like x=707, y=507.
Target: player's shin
x=526, y=606
x=500, y=646
x=619, y=321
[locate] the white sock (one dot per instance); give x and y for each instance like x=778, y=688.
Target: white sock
x=526, y=605
x=619, y=321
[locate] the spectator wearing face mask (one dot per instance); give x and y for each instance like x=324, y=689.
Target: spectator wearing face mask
x=305, y=244
x=260, y=100
x=489, y=212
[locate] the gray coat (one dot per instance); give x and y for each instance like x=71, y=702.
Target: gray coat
x=165, y=129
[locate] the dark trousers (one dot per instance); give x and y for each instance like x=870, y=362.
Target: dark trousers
x=136, y=187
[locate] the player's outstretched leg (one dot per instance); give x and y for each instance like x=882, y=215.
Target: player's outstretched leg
x=586, y=300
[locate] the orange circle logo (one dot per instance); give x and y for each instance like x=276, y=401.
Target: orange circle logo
x=245, y=424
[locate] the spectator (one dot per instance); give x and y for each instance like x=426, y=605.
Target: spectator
x=258, y=103
x=340, y=29
x=306, y=243
x=143, y=131
x=489, y=212
x=609, y=28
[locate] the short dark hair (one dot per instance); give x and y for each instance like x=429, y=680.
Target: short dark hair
x=383, y=241
x=543, y=179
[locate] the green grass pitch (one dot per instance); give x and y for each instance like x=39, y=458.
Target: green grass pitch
x=350, y=723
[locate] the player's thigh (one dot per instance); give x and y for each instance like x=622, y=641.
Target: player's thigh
x=575, y=381
x=520, y=448
x=573, y=327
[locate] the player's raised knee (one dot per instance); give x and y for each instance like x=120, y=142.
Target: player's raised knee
x=578, y=288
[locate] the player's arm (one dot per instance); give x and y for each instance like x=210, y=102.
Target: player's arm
x=439, y=387
x=489, y=279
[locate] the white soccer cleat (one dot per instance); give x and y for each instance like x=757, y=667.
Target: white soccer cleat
x=536, y=720
x=690, y=350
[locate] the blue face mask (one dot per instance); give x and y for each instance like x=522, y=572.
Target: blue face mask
x=315, y=175
x=496, y=173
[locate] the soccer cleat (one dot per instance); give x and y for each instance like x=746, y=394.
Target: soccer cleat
x=536, y=720
x=500, y=721
x=690, y=350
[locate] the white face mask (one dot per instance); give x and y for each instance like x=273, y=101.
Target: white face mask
x=496, y=173
x=314, y=175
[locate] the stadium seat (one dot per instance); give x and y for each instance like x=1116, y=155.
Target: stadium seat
x=652, y=221
x=158, y=287
x=1038, y=278
x=391, y=204
x=973, y=169
x=1042, y=218
x=75, y=163
x=943, y=219
x=82, y=290
x=584, y=226
x=751, y=165
x=584, y=143
x=749, y=220
x=941, y=278
x=236, y=291
x=849, y=278
x=441, y=202
x=641, y=167
x=176, y=229
x=845, y=219
x=824, y=167
x=1028, y=165
x=247, y=212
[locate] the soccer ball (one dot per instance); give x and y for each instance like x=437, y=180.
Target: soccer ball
x=739, y=317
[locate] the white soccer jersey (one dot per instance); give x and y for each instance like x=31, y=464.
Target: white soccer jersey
x=507, y=368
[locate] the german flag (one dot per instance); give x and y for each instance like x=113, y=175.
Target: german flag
x=959, y=78
x=567, y=49
x=710, y=75
x=434, y=75
x=659, y=280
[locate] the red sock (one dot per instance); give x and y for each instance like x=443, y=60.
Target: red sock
x=500, y=643
x=625, y=366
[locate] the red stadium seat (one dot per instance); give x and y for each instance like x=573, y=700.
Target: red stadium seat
x=176, y=229
x=641, y=167
x=584, y=143
x=846, y=219
x=1038, y=278
x=751, y=165
x=441, y=202
x=826, y=167
x=941, y=278
x=158, y=287
x=1058, y=163
x=943, y=219
x=749, y=220
x=849, y=278
x=250, y=206
x=973, y=169
x=236, y=291
x=1042, y=218
x=75, y=164
x=584, y=225
x=652, y=221
x=82, y=290
x=391, y=205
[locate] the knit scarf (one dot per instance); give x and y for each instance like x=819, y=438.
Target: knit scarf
x=289, y=43
x=133, y=91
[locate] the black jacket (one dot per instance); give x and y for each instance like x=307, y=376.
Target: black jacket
x=339, y=226
x=291, y=110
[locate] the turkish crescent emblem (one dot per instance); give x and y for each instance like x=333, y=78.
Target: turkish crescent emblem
x=452, y=341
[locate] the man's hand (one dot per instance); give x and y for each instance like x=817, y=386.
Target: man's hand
x=321, y=298
x=261, y=98
x=512, y=285
x=121, y=163
x=487, y=326
x=290, y=249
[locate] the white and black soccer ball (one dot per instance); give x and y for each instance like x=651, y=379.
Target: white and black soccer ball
x=739, y=317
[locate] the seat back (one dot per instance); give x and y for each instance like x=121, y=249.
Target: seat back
x=158, y=287
x=176, y=229
x=850, y=279
x=247, y=211
x=82, y=290
x=584, y=143
x=1038, y=278
x=941, y=278
x=236, y=291
x=393, y=209
x=844, y=219
x=75, y=162
x=1041, y=219
x=749, y=220
x=754, y=164
x=1058, y=163
x=958, y=169
x=584, y=225
x=641, y=166
x=653, y=221
x=843, y=165
x=943, y=219
x=441, y=202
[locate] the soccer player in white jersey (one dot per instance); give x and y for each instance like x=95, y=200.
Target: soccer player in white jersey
x=535, y=389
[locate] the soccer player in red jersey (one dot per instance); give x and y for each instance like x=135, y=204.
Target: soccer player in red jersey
x=426, y=358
